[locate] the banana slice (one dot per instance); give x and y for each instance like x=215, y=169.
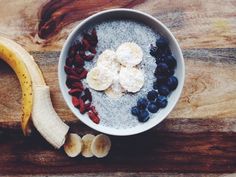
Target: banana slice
x=108, y=60
x=115, y=91
x=101, y=145
x=73, y=145
x=99, y=78
x=129, y=54
x=131, y=79
x=87, y=141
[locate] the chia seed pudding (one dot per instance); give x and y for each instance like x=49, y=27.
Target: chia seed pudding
x=115, y=113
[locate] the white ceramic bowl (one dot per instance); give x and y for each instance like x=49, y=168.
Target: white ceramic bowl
x=156, y=26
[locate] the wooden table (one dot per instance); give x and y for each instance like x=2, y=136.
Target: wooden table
x=198, y=137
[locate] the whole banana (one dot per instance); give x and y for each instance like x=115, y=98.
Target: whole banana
x=35, y=94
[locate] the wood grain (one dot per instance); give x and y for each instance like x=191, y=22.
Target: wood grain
x=164, y=152
x=197, y=138
x=196, y=24
x=208, y=93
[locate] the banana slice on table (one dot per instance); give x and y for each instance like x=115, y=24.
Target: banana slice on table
x=115, y=91
x=87, y=141
x=131, y=79
x=101, y=145
x=73, y=145
x=99, y=78
x=129, y=54
x=108, y=60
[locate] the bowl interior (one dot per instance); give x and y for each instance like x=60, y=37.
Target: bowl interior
x=157, y=26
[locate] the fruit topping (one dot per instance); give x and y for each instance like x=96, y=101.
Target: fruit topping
x=143, y=116
x=161, y=101
x=172, y=83
x=152, y=95
x=162, y=42
x=135, y=111
x=142, y=103
x=163, y=90
x=170, y=61
x=152, y=107
x=129, y=54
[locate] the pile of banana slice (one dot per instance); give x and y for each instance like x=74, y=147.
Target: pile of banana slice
x=37, y=105
x=89, y=145
x=116, y=73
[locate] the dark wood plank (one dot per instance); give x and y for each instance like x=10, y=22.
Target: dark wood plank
x=148, y=152
x=141, y=174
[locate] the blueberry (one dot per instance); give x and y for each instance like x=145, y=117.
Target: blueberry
x=162, y=68
x=142, y=103
x=143, y=116
x=135, y=111
x=156, y=85
x=172, y=82
x=152, y=95
x=152, y=108
x=170, y=61
x=153, y=51
x=161, y=101
x=158, y=61
x=171, y=72
x=162, y=42
x=161, y=78
x=163, y=90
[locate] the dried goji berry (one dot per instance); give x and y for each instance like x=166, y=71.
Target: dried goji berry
x=75, y=92
x=78, y=61
x=69, y=61
x=94, y=117
x=94, y=35
x=86, y=44
x=72, y=78
x=92, y=50
x=92, y=108
x=83, y=74
x=78, y=70
x=75, y=101
x=87, y=95
x=72, y=51
x=77, y=84
x=88, y=57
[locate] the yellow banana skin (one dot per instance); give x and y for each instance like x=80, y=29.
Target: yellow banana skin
x=36, y=99
x=10, y=56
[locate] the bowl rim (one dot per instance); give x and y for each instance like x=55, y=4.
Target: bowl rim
x=108, y=130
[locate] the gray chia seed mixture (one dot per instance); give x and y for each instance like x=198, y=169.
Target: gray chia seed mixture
x=116, y=113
